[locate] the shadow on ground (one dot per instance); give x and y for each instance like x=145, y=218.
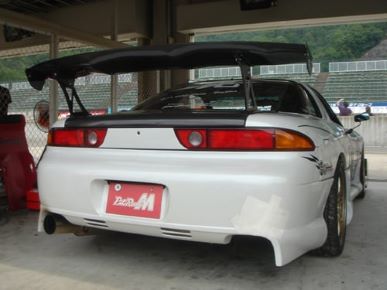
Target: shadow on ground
x=111, y=260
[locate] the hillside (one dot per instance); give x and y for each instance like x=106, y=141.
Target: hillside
x=328, y=43
x=376, y=53
x=13, y=68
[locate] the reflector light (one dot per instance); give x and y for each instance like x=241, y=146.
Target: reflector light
x=95, y=137
x=185, y=137
x=263, y=139
x=76, y=137
x=195, y=138
x=92, y=138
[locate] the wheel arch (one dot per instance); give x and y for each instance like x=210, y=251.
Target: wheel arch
x=343, y=159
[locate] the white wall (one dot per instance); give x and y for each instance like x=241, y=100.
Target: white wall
x=374, y=131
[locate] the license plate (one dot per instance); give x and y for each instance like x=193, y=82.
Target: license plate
x=134, y=199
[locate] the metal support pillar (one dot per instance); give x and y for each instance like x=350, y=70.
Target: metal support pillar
x=164, y=32
x=181, y=76
x=148, y=81
x=114, y=78
x=161, y=32
x=53, y=85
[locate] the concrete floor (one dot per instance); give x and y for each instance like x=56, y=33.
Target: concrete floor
x=377, y=165
x=119, y=261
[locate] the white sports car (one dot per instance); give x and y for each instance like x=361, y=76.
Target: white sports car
x=206, y=161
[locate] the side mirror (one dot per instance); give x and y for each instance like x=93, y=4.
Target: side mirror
x=361, y=117
x=358, y=118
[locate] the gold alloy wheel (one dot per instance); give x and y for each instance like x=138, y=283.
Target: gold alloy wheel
x=341, y=210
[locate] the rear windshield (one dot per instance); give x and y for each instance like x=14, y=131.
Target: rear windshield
x=270, y=96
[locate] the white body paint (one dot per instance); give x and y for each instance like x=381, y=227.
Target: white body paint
x=208, y=196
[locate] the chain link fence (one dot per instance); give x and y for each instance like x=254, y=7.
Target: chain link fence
x=23, y=98
x=94, y=91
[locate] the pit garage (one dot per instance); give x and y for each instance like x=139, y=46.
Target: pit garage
x=87, y=91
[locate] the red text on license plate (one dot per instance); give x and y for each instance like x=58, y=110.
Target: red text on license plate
x=135, y=199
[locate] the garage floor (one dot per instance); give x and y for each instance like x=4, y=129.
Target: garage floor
x=119, y=261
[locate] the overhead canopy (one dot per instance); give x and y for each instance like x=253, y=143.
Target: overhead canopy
x=175, y=56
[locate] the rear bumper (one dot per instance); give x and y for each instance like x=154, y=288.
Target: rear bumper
x=208, y=197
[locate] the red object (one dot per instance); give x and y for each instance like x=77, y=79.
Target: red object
x=134, y=199
x=33, y=201
x=241, y=139
x=229, y=139
x=16, y=163
x=184, y=134
x=75, y=137
x=63, y=114
x=264, y=139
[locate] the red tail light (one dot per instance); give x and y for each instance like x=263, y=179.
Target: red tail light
x=241, y=139
x=187, y=138
x=76, y=137
x=270, y=139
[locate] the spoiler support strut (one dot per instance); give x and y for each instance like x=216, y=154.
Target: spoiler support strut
x=70, y=100
x=248, y=88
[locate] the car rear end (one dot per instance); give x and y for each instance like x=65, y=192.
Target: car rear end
x=203, y=175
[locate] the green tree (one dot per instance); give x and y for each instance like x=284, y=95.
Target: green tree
x=327, y=43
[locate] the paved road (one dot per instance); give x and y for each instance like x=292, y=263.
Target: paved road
x=119, y=261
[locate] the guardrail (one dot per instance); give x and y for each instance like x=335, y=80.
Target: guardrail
x=295, y=68
x=355, y=66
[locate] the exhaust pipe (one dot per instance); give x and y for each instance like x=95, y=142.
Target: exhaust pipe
x=56, y=224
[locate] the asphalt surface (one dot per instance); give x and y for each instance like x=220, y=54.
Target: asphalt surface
x=112, y=260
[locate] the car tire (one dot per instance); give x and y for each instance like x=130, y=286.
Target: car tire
x=335, y=215
x=362, y=178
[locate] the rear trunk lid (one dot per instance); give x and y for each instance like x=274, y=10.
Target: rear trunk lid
x=159, y=119
x=153, y=130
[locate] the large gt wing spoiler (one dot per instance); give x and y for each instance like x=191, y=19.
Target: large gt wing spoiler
x=176, y=56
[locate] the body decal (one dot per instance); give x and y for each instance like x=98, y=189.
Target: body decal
x=323, y=167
